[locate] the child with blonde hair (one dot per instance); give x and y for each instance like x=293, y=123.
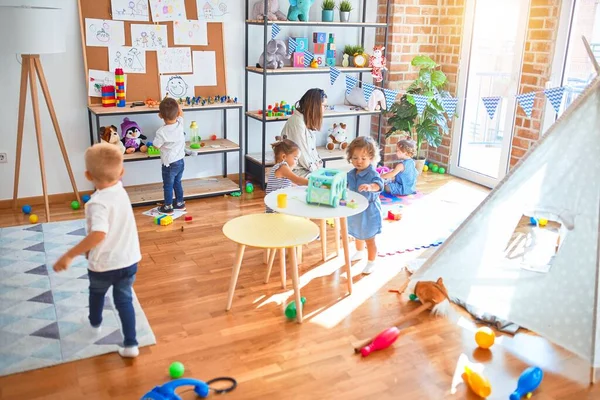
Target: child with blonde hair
x=363, y=154
x=111, y=246
x=404, y=175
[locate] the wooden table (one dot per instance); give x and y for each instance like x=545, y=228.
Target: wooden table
x=297, y=206
x=270, y=231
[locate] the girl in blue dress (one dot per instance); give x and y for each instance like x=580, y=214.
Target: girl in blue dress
x=363, y=154
x=404, y=175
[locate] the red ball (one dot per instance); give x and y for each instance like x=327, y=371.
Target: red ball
x=213, y=137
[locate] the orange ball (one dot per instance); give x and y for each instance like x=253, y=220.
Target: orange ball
x=485, y=337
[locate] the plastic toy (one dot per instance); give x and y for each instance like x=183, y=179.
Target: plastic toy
x=26, y=209
x=299, y=10
x=75, y=205
x=236, y=194
x=249, y=187
x=485, y=337
x=382, y=170
x=382, y=341
x=394, y=215
x=377, y=63
x=425, y=168
x=533, y=221
x=529, y=381
x=327, y=187
x=352, y=204
x=150, y=102
x=413, y=297
x=86, y=198
x=213, y=137
x=338, y=138
x=314, y=64
x=343, y=203
x=434, y=168
x=187, y=218
x=202, y=389
x=478, y=384
x=120, y=87
x=33, y=219
x=163, y=220
x=282, y=200
x=176, y=370
x=108, y=96
x=291, y=311
x=153, y=151
x=441, y=170
x=543, y=222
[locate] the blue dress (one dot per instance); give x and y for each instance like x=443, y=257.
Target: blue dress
x=405, y=182
x=368, y=223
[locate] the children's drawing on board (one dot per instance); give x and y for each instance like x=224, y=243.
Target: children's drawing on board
x=131, y=59
x=190, y=32
x=98, y=79
x=213, y=10
x=173, y=60
x=104, y=33
x=149, y=37
x=167, y=10
x=130, y=10
x=177, y=86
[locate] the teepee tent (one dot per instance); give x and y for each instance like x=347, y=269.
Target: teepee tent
x=559, y=180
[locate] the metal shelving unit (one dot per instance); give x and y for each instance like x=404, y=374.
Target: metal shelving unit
x=256, y=163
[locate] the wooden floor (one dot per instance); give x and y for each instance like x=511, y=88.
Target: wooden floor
x=182, y=284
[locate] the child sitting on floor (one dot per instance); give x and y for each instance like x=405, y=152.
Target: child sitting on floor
x=281, y=175
x=363, y=153
x=111, y=246
x=404, y=174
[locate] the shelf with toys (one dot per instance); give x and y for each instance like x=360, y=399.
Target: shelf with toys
x=324, y=153
x=301, y=70
x=332, y=112
x=320, y=23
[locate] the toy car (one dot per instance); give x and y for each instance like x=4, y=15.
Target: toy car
x=327, y=187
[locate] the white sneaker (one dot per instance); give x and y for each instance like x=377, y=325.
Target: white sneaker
x=129, y=352
x=369, y=268
x=359, y=255
x=95, y=331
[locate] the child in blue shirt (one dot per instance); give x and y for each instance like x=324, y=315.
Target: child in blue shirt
x=404, y=174
x=363, y=153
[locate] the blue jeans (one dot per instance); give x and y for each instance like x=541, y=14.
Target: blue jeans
x=121, y=280
x=171, y=176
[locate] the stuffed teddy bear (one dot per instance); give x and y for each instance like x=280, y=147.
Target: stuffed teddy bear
x=357, y=98
x=131, y=136
x=299, y=10
x=273, y=13
x=109, y=134
x=337, y=137
x=274, y=56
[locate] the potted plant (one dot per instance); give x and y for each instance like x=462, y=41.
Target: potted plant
x=345, y=8
x=432, y=124
x=327, y=14
x=352, y=51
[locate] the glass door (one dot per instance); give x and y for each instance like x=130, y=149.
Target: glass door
x=491, y=57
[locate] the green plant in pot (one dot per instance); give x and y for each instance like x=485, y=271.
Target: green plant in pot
x=327, y=14
x=432, y=124
x=345, y=8
x=351, y=51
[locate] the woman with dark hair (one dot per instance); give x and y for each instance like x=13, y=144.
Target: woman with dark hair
x=302, y=128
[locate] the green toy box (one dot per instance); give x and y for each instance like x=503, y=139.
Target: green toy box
x=327, y=187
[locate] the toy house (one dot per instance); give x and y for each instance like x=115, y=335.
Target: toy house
x=327, y=187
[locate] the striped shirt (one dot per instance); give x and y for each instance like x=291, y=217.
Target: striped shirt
x=276, y=183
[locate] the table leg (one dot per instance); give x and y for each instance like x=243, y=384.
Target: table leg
x=282, y=266
x=336, y=225
x=296, y=283
x=266, y=254
x=344, y=226
x=323, y=226
x=271, y=253
x=239, y=255
x=299, y=254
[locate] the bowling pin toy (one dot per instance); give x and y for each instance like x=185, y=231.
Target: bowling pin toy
x=382, y=341
x=529, y=381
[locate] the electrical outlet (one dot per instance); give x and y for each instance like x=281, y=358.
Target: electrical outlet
x=3, y=158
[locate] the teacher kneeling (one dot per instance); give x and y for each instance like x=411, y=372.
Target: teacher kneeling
x=302, y=128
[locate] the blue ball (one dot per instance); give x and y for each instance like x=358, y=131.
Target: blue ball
x=533, y=221
x=26, y=209
x=85, y=198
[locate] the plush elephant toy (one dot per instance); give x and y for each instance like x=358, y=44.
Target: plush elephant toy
x=299, y=9
x=274, y=56
x=273, y=13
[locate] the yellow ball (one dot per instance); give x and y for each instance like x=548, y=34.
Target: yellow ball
x=485, y=337
x=33, y=219
x=425, y=168
x=543, y=222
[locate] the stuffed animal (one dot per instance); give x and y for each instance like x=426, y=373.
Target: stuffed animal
x=109, y=134
x=377, y=63
x=275, y=55
x=273, y=13
x=357, y=98
x=337, y=137
x=131, y=136
x=299, y=10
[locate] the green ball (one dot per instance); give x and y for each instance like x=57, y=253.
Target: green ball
x=434, y=168
x=75, y=205
x=412, y=297
x=176, y=370
x=441, y=170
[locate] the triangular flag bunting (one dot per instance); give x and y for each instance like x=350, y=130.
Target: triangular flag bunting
x=449, y=105
x=350, y=83
x=420, y=102
x=368, y=90
x=390, y=97
x=555, y=95
x=308, y=57
x=275, y=29
x=333, y=74
x=526, y=102
x=491, y=104
x=291, y=45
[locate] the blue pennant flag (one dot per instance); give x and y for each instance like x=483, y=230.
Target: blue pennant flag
x=491, y=104
x=333, y=74
x=368, y=91
x=526, y=102
x=555, y=95
x=390, y=97
x=449, y=105
x=291, y=45
x=420, y=102
x=351, y=82
x=308, y=57
x=275, y=29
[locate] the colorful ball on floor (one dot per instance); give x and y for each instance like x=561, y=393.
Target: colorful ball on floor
x=425, y=168
x=26, y=209
x=485, y=337
x=86, y=198
x=533, y=221
x=176, y=370
x=434, y=168
x=543, y=222
x=33, y=219
x=75, y=205
x=249, y=187
x=441, y=170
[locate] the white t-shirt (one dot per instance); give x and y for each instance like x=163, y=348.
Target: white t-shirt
x=170, y=139
x=109, y=211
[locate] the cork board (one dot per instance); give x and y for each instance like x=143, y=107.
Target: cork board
x=142, y=86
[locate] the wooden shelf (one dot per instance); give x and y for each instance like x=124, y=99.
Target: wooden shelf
x=296, y=71
x=224, y=146
x=319, y=23
x=105, y=111
x=341, y=111
x=326, y=155
x=192, y=188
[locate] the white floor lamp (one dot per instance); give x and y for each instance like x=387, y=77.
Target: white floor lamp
x=29, y=32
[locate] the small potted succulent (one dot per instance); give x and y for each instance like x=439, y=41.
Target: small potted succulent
x=327, y=14
x=345, y=8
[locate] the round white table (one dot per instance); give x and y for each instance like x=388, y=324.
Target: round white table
x=297, y=206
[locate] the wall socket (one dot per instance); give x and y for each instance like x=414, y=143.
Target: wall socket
x=3, y=158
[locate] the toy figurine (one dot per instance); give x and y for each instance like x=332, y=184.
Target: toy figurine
x=337, y=139
x=299, y=10
x=345, y=61
x=377, y=63
x=131, y=136
x=187, y=100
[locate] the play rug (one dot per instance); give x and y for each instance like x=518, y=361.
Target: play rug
x=387, y=198
x=43, y=315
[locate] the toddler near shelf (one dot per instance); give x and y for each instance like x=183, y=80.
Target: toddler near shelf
x=403, y=178
x=170, y=139
x=286, y=158
x=363, y=153
x=111, y=246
